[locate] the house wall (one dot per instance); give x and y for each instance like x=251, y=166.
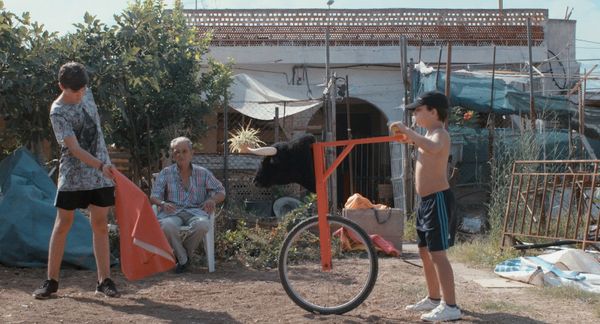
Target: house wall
x=562, y=71
x=258, y=55
x=373, y=72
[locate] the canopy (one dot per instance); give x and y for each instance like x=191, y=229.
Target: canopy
x=257, y=97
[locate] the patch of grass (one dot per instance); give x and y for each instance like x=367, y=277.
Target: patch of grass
x=500, y=306
x=481, y=253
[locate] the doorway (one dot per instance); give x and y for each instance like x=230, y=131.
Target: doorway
x=367, y=169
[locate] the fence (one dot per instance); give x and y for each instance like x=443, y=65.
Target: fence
x=553, y=200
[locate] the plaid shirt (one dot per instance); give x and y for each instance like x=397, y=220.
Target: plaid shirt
x=169, y=187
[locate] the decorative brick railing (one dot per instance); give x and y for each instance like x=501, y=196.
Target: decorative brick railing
x=368, y=27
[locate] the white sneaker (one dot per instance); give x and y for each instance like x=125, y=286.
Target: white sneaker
x=423, y=305
x=442, y=313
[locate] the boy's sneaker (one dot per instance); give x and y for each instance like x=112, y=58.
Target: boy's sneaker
x=424, y=305
x=442, y=313
x=48, y=287
x=107, y=287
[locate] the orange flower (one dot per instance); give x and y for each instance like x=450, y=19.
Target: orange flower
x=468, y=115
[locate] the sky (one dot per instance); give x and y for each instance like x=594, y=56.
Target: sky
x=60, y=15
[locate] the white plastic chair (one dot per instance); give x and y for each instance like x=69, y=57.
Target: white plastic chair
x=208, y=241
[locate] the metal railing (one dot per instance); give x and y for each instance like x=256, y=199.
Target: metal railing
x=553, y=201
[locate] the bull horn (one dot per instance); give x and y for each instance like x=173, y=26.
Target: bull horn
x=262, y=151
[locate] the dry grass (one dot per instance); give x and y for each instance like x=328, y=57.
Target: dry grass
x=501, y=306
x=588, y=299
x=410, y=233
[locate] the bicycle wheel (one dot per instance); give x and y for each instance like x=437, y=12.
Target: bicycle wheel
x=351, y=278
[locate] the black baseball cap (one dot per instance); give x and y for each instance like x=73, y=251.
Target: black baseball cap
x=432, y=99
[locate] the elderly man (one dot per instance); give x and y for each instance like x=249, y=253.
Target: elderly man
x=187, y=195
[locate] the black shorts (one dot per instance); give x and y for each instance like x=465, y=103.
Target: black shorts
x=436, y=222
x=70, y=200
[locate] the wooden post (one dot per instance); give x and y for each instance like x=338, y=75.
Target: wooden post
x=577, y=88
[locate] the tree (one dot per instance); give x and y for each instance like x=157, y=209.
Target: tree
x=146, y=73
x=161, y=84
x=27, y=81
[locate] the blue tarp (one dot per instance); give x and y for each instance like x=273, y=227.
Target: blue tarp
x=27, y=215
x=473, y=91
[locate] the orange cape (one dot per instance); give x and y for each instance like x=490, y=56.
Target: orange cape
x=144, y=248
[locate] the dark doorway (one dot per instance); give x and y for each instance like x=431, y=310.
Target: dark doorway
x=370, y=174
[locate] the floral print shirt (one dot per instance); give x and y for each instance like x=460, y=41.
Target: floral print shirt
x=82, y=121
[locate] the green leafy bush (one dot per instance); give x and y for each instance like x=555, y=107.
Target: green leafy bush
x=257, y=246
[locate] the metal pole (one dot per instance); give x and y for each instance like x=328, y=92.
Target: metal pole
x=406, y=163
x=276, y=124
x=332, y=96
x=329, y=111
x=349, y=133
x=420, y=42
x=492, y=115
x=581, y=111
x=532, y=115
x=283, y=121
x=568, y=78
x=448, y=72
x=437, y=72
x=225, y=148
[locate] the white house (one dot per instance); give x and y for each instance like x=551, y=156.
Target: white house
x=280, y=58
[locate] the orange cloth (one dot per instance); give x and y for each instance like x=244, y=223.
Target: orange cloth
x=357, y=201
x=144, y=247
x=350, y=242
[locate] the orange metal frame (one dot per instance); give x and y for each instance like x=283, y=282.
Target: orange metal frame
x=322, y=173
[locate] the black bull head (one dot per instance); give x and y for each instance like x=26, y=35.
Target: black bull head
x=292, y=162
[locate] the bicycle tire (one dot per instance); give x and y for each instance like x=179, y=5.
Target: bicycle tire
x=300, y=264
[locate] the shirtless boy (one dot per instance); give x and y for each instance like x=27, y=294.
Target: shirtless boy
x=435, y=224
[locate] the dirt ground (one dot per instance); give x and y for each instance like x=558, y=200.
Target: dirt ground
x=234, y=294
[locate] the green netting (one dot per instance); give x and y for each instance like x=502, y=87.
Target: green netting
x=474, y=167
